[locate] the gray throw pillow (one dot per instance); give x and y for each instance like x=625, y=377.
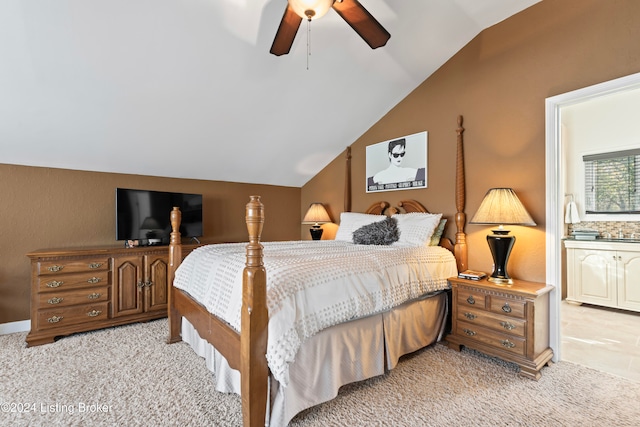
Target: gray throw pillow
x=383, y=232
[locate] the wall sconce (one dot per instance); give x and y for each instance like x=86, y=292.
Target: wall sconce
x=501, y=206
x=316, y=215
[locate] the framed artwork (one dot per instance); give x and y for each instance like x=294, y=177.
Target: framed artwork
x=397, y=164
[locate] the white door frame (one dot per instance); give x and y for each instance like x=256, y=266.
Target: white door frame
x=555, y=188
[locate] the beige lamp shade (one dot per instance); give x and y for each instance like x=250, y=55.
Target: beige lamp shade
x=502, y=206
x=316, y=214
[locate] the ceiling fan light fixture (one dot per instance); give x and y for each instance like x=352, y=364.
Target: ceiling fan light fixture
x=311, y=9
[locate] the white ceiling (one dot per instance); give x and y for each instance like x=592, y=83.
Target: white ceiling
x=112, y=85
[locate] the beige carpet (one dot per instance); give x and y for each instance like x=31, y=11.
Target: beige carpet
x=128, y=376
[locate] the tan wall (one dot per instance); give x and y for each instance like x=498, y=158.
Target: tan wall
x=47, y=208
x=499, y=83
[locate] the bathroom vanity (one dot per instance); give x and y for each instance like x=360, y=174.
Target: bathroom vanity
x=604, y=272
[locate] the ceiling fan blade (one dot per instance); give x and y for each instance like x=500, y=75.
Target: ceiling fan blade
x=286, y=32
x=362, y=22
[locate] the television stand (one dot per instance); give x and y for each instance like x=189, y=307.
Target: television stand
x=78, y=290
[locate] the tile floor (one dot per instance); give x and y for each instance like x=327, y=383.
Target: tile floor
x=601, y=338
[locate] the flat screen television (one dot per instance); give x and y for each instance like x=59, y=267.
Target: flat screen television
x=144, y=215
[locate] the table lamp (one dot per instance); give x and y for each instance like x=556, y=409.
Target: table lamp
x=501, y=206
x=316, y=215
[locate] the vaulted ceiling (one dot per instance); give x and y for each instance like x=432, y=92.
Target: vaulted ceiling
x=188, y=88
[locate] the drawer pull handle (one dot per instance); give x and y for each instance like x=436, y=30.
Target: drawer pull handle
x=141, y=284
x=507, y=344
x=94, y=313
x=508, y=326
x=54, y=319
x=94, y=280
x=470, y=316
x=95, y=265
x=148, y=284
x=55, y=300
x=506, y=308
x=55, y=268
x=94, y=295
x=471, y=300
x=54, y=284
x=469, y=332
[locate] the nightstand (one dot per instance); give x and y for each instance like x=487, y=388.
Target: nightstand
x=509, y=322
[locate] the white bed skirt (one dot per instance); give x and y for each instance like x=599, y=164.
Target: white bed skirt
x=345, y=353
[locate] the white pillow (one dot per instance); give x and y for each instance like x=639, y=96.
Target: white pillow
x=416, y=228
x=351, y=221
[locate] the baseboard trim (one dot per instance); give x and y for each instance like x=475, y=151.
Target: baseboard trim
x=13, y=327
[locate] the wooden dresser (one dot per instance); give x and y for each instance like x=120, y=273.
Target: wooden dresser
x=509, y=322
x=77, y=290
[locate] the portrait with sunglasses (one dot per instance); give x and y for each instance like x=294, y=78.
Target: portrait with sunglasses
x=398, y=175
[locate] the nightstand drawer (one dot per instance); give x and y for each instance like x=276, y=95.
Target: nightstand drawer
x=492, y=321
x=507, y=306
x=467, y=297
x=492, y=338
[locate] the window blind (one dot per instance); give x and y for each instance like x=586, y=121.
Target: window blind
x=611, y=180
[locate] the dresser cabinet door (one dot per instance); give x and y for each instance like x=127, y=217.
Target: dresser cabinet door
x=127, y=285
x=155, y=295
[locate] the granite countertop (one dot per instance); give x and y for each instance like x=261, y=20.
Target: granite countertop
x=606, y=239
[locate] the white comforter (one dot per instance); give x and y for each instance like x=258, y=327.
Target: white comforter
x=312, y=285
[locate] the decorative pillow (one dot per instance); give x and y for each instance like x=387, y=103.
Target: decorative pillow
x=437, y=233
x=351, y=221
x=416, y=228
x=384, y=232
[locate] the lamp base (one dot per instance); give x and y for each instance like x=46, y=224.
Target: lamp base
x=500, y=280
x=316, y=232
x=500, y=244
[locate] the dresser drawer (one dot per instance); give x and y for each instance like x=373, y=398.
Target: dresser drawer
x=72, y=281
x=507, y=306
x=493, y=321
x=72, y=266
x=64, y=316
x=73, y=297
x=470, y=298
x=492, y=338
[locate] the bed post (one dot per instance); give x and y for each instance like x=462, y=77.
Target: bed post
x=347, y=182
x=254, y=319
x=175, y=258
x=460, y=248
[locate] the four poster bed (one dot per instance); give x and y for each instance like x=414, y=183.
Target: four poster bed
x=314, y=315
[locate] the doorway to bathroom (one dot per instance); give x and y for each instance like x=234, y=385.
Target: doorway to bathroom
x=574, y=335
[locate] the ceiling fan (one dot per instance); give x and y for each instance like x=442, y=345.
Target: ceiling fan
x=350, y=10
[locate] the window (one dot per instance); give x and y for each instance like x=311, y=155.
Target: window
x=611, y=180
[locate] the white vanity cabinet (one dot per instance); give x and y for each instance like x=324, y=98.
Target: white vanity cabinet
x=603, y=273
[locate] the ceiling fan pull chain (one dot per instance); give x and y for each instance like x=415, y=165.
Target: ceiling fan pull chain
x=308, y=41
